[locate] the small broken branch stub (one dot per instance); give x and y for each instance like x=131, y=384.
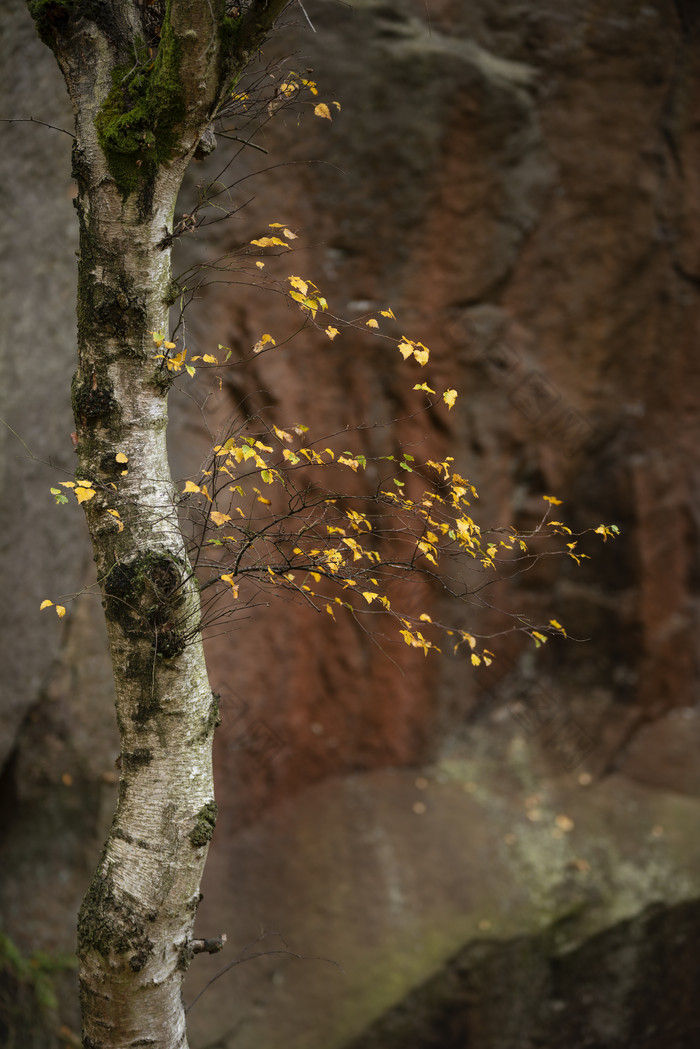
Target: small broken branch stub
x=211, y=946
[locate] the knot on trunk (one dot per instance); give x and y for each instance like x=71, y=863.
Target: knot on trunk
x=206, y=144
x=145, y=597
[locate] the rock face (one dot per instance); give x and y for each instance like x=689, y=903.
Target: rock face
x=39, y=238
x=524, y=993
x=520, y=184
x=463, y=908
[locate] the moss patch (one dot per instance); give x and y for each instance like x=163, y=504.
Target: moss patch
x=54, y=17
x=201, y=833
x=136, y=125
x=107, y=927
x=50, y=16
x=185, y=956
x=92, y=397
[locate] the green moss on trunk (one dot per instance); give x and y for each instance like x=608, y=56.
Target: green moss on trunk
x=106, y=926
x=201, y=833
x=137, y=126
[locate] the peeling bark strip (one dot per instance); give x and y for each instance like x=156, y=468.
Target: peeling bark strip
x=145, y=82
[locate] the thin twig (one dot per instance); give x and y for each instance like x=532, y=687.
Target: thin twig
x=33, y=120
x=306, y=16
x=245, y=957
x=235, y=138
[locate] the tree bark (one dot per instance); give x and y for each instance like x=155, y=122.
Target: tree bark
x=140, y=110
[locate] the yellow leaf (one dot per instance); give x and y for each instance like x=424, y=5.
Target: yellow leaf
x=552, y=500
x=232, y=583
x=299, y=284
x=424, y=387
x=322, y=110
x=268, y=242
x=449, y=397
x=169, y=345
x=337, y=105
x=330, y=612
x=60, y=611
x=83, y=494
x=331, y=333
x=406, y=349
x=263, y=341
x=288, y=234
x=175, y=363
x=209, y=358
x=475, y=659
x=121, y=458
x=260, y=265
x=190, y=486
x=67, y=484
x=262, y=499
x=282, y=435
x=45, y=604
x=422, y=356
x=219, y=518
x=425, y=618
x=371, y=323
x=388, y=313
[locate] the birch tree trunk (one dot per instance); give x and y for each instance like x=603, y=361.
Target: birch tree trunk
x=145, y=82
